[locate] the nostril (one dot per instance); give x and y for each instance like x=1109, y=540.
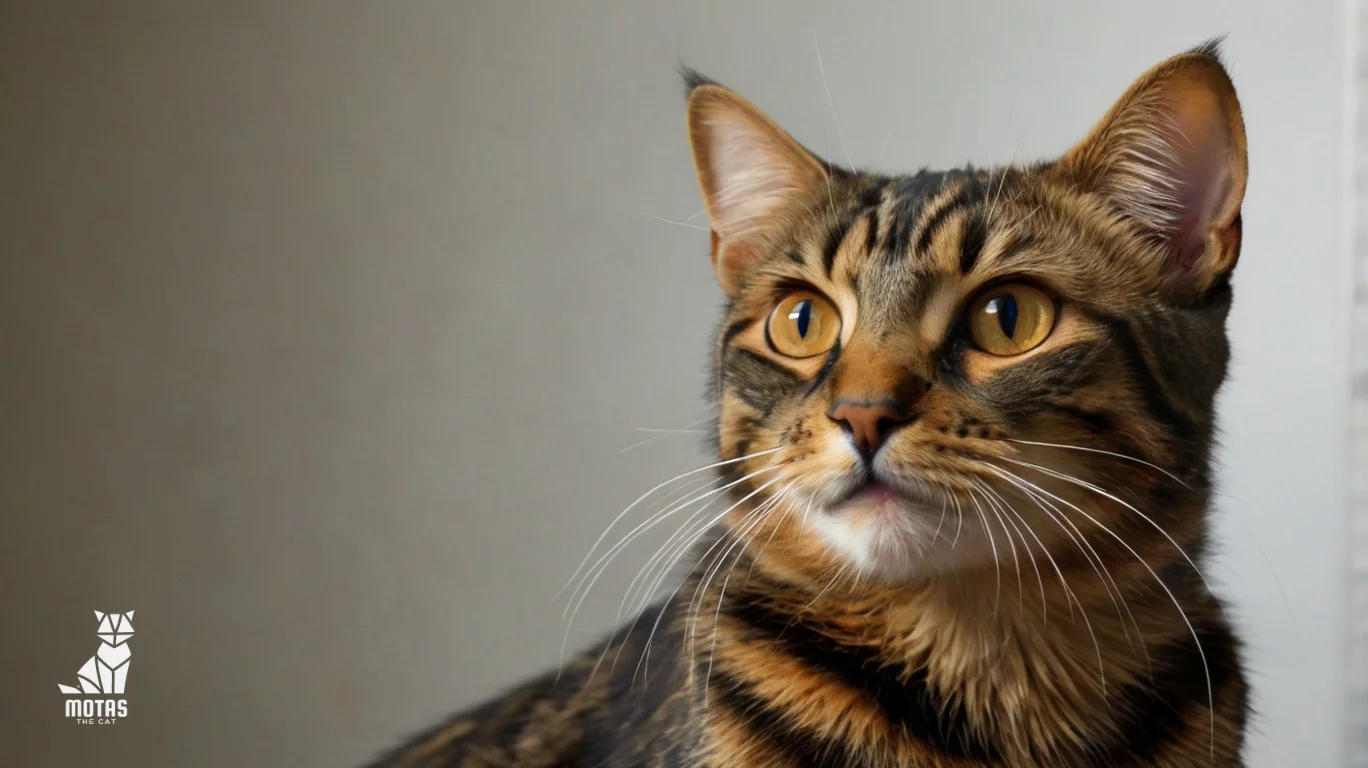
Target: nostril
x=868, y=424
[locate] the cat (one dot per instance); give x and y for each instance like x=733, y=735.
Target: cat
x=107, y=670
x=964, y=430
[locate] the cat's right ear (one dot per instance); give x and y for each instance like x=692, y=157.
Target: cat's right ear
x=755, y=178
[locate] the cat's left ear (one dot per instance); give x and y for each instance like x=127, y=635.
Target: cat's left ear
x=1170, y=157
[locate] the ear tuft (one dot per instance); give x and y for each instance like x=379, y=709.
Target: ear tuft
x=1211, y=49
x=694, y=79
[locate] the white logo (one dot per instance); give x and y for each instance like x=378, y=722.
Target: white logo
x=105, y=673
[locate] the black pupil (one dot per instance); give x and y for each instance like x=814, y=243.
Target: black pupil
x=1005, y=307
x=802, y=315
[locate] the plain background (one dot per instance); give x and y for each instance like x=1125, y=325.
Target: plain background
x=323, y=327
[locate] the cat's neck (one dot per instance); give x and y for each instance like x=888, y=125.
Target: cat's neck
x=1033, y=662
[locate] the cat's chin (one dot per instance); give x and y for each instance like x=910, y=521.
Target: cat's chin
x=887, y=531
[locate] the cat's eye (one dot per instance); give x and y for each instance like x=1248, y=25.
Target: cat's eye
x=803, y=324
x=1011, y=319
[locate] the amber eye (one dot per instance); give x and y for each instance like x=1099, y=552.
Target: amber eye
x=803, y=325
x=1011, y=319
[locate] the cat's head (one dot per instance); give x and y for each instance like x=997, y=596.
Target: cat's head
x=115, y=628
x=923, y=369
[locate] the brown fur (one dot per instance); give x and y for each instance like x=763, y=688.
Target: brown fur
x=1056, y=615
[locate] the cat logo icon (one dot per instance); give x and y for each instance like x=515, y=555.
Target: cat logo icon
x=104, y=675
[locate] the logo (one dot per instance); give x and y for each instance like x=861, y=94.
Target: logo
x=104, y=675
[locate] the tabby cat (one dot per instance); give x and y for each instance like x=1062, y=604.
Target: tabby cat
x=964, y=427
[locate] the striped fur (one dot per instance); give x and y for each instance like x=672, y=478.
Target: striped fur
x=1037, y=599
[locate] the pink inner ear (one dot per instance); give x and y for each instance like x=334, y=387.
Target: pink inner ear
x=1199, y=176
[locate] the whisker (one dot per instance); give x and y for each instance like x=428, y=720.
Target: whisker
x=1002, y=181
x=600, y=567
x=722, y=593
x=1272, y=571
x=936, y=535
x=832, y=106
x=775, y=530
x=737, y=536
x=683, y=540
x=1095, y=560
x=959, y=522
x=1043, y=600
x=687, y=535
x=670, y=431
x=648, y=567
x=1155, y=467
x=1201, y=652
x=647, y=649
x=607, y=558
x=703, y=558
x=997, y=564
x=642, y=498
x=1098, y=490
x=1016, y=561
x=1101, y=667
x=671, y=221
x=659, y=434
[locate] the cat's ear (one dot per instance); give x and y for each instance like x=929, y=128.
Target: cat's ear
x=1170, y=157
x=755, y=178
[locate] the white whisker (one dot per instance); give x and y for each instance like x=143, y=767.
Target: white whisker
x=822, y=68
x=997, y=564
x=1095, y=489
x=642, y=498
x=676, y=223
x=1155, y=467
x=1201, y=652
x=1016, y=561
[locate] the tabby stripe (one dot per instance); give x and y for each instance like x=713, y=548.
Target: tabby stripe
x=872, y=196
x=826, y=369
x=938, y=218
x=1151, y=390
x=1160, y=710
x=1019, y=242
x=835, y=236
x=971, y=245
x=801, y=747
x=872, y=232
x=903, y=217
x=756, y=377
x=910, y=196
x=871, y=200
x=735, y=328
x=1099, y=423
x=909, y=703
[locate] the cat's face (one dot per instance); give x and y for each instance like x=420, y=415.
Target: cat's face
x=928, y=373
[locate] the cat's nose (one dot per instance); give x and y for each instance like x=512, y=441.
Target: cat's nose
x=869, y=423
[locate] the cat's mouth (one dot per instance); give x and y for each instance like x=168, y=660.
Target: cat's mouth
x=889, y=497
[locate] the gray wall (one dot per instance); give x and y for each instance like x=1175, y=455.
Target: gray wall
x=323, y=325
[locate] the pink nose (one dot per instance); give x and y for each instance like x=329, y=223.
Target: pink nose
x=869, y=424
